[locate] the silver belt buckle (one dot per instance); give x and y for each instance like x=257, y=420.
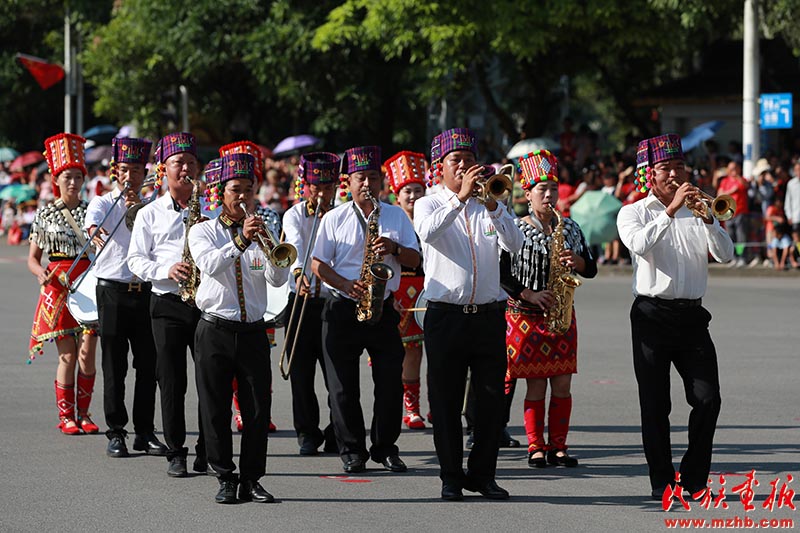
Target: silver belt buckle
x=470, y=309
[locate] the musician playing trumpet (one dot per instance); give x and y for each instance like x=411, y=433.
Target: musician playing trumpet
x=535, y=351
x=353, y=237
x=669, y=247
x=123, y=305
x=317, y=177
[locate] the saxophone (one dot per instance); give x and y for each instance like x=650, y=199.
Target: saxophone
x=374, y=273
x=560, y=281
x=188, y=287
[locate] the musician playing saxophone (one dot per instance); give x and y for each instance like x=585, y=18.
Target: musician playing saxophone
x=554, y=246
x=123, y=305
x=156, y=256
x=352, y=239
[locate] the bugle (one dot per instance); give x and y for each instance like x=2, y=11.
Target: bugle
x=281, y=255
x=722, y=207
x=306, y=259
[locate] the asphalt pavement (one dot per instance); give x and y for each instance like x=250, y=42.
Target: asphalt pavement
x=55, y=482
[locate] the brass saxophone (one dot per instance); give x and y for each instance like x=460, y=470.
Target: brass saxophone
x=188, y=287
x=561, y=282
x=374, y=273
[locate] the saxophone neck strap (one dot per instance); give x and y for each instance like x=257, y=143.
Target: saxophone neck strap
x=360, y=216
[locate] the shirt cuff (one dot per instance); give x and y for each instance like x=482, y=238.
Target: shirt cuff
x=665, y=219
x=455, y=203
x=241, y=243
x=498, y=211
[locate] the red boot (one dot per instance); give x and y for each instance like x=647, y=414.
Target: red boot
x=237, y=413
x=412, y=418
x=534, y=428
x=85, y=389
x=65, y=400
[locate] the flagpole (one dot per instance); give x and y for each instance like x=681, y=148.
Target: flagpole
x=67, y=72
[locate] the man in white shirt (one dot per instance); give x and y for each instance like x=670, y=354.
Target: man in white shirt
x=231, y=336
x=155, y=255
x=461, y=241
x=317, y=176
x=123, y=305
x=339, y=254
x=791, y=205
x=669, y=247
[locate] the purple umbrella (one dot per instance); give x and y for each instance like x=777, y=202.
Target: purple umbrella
x=96, y=154
x=294, y=143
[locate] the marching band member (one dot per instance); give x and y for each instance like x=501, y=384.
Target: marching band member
x=461, y=242
x=57, y=230
x=534, y=352
x=406, y=174
x=123, y=305
x=317, y=175
x=156, y=255
x=669, y=325
x=352, y=237
x=231, y=337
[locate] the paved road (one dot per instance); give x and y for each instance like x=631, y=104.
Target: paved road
x=54, y=482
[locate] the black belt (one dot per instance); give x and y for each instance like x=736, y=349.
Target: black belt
x=468, y=309
x=173, y=297
x=133, y=286
x=233, y=325
x=677, y=303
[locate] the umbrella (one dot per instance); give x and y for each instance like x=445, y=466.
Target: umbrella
x=596, y=214
x=97, y=153
x=102, y=133
x=531, y=145
x=290, y=144
x=701, y=133
x=27, y=159
x=7, y=153
x=18, y=192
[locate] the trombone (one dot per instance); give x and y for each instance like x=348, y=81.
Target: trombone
x=722, y=207
x=306, y=258
x=497, y=187
x=281, y=255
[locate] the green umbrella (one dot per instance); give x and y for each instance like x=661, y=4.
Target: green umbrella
x=18, y=192
x=596, y=214
x=7, y=153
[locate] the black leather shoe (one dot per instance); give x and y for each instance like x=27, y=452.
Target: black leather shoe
x=149, y=444
x=309, y=446
x=227, y=491
x=393, y=463
x=201, y=466
x=177, y=467
x=561, y=460
x=536, y=462
x=331, y=446
x=252, y=491
x=507, y=441
x=354, y=466
x=117, y=447
x=490, y=490
x=451, y=492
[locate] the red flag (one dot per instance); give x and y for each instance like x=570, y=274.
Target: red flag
x=46, y=74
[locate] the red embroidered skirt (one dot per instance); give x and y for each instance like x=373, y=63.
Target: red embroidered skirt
x=533, y=351
x=406, y=296
x=52, y=319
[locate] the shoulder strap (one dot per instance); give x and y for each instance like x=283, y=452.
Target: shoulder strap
x=71, y=221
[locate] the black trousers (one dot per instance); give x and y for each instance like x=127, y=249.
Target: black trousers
x=455, y=342
x=469, y=412
x=174, y=324
x=307, y=353
x=665, y=334
x=125, y=318
x=223, y=354
x=345, y=338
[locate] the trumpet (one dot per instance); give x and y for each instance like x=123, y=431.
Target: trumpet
x=281, y=255
x=722, y=207
x=496, y=187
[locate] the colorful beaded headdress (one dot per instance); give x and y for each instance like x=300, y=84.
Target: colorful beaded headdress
x=128, y=150
x=404, y=168
x=211, y=175
x=358, y=159
x=652, y=151
x=169, y=145
x=246, y=147
x=316, y=168
x=536, y=167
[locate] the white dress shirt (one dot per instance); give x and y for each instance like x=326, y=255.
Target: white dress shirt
x=297, y=225
x=112, y=263
x=791, y=204
x=461, y=248
x=340, y=240
x=217, y=255
x=670, y=255
x=157, y=243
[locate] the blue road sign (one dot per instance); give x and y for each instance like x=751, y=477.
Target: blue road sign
x=776, y=111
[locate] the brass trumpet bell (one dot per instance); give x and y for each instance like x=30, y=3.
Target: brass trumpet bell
x=723, y=207
x=283, y=255
x=497, y=187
